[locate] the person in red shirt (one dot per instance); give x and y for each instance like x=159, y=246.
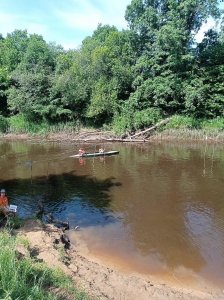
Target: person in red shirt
x=81, y=151
x=4, y=203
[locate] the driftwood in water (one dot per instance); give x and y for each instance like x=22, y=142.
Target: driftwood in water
x=126, y=140
x=110, y=140
x=151, y=128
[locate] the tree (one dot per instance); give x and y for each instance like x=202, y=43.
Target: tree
x=204, y=91
x=166, y=29
x=4, y=82
x=31, y=81
x=38, y=56
x=111, y=59
x=12, y=49
x=93, y=81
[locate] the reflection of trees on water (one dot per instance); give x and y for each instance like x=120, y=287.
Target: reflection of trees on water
x=60, y=191
x=168, y=178
x=15, y=157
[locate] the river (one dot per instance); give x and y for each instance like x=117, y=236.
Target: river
x=154, y=208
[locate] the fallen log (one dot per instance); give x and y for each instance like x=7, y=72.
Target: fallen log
x=110, y=140
x=151, y=128
x=127, y=140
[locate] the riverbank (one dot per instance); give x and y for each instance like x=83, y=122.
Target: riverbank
x=99, y=279
x=93, y=135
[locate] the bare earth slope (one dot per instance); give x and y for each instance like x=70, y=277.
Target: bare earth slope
x=95, y=277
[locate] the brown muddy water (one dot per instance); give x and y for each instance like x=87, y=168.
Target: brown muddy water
x=154, y=209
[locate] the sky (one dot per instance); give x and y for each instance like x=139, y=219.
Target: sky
x=66, y=22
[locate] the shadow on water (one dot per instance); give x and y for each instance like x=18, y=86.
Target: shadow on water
x=82, y=200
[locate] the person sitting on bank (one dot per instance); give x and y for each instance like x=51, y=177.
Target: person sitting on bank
x=81, y=151
x=101, y=150
x=4, y=203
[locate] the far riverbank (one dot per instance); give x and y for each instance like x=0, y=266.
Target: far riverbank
x=94, y=135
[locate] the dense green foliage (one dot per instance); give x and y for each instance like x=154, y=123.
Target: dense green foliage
x=126, y=79
x=27, y=279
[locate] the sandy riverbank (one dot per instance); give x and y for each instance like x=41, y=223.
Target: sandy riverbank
x=99, y=279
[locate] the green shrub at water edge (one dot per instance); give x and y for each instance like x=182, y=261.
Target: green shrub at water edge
x=14, y=222
x=146, y=118
x=27, y=279
x=121, y=124
x=4, y=124
x=183, y=122
x=137, y=120
x=215, y=124
x=19, y=124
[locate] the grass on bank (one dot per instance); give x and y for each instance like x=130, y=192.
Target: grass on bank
x=28, y=279
x=185, y=122
x=18, y=124
x=190, y=126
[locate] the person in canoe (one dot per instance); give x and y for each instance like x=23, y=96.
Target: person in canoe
x=4, y=203
x=81, y=151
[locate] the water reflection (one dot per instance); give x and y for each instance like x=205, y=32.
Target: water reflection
x=207, y=237
x=84, y=197
x=155, y=207
x=171, y=180
x=36, y=171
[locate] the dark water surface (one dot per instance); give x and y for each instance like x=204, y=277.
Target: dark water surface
x=157, y=208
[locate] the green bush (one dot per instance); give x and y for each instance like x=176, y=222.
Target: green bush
x=136, y=120
x=146, y=117
x=14, y=222
x=19, y=124
x=4, y=124
x=182, y=122
x=121, y=124
x=213, y=125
